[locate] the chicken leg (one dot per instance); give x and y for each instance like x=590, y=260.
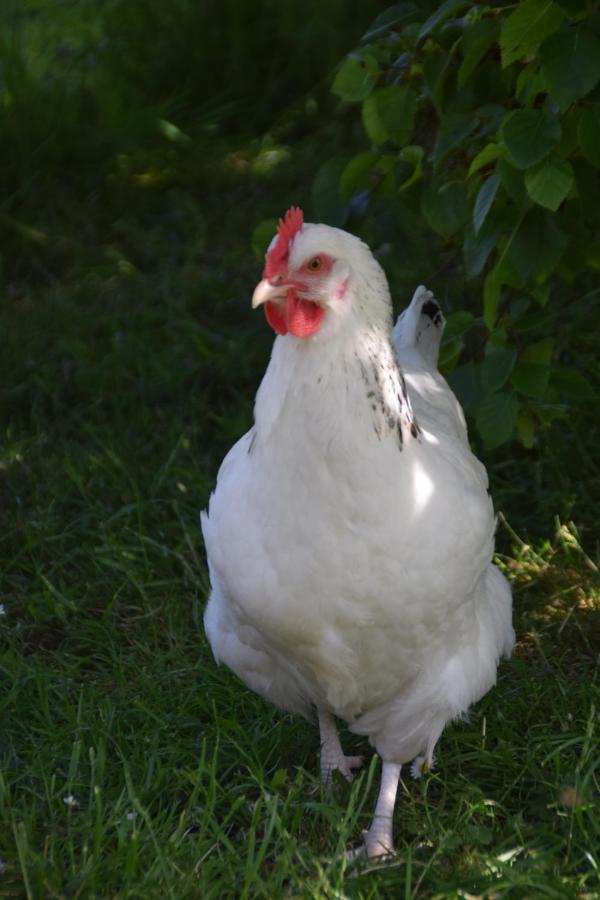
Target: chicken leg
x=332, y=755
x=378, y=840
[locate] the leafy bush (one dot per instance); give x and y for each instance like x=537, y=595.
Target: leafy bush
x=484, y=125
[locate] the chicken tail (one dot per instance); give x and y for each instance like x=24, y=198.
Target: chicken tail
x=421, y=326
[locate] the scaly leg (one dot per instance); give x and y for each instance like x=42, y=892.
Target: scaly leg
x=378, y=840
x=332, y=755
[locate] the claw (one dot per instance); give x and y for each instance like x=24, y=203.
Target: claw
x=371, y=849
x=332, y=755
x=340, y=763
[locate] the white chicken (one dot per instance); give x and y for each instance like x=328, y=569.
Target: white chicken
x=350, y=534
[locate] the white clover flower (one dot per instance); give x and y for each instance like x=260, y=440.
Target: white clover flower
x=130, y=816
x=420, y=766
x=71, y=801
x=2, y=610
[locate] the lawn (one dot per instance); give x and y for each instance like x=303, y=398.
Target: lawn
x=130, y=765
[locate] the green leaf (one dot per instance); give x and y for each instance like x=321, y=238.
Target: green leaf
x=435, y=71
x=452, y=344
x=570, y=64
x=539, y=353
x=453, y=129
x=571, y=384
x=262, y=236
x=465, y=381
x=443, y=12
x=389, y=114
x=536, y=247
x=357, y=174
x=529, y=135
x=457, y=325
x=325, y=193
x=484, y=200
x=372, y=122
x=391, y=16
x=497, y=365
x=569, y=142
x=412, y=154
x=529, y=84
x=492, y=295
x=532, y=371
x=525, y=28
x=445, y=208
x=505, y=271
x=573, y=7
x=541, y=293
x=384, y=174
x=511, y=180
x=550, y=182
x=518, y=309
x=449, y=354
x=476, y=42
x=491, y=113
x=496, y=418
x=356, y=77
x=526, y=428
x=477, y=247
x=488, y=155
x=530, y=379
x=588, y=134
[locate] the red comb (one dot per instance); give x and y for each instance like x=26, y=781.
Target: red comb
x=287, y=230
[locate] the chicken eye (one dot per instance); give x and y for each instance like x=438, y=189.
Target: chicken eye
x=315, y=264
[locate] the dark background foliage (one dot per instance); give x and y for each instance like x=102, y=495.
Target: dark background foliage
x=484, y=123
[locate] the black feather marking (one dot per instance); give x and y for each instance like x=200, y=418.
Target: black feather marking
x=388, y=396
x=432, y=310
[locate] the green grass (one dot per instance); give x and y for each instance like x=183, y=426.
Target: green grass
x=185, y=784
x=129, y=359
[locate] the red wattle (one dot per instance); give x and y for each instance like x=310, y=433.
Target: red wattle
x=300, y=317
x=275, y=315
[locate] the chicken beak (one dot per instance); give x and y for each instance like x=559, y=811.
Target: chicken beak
x=266, y=290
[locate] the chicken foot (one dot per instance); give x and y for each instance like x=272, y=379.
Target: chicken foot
x=378, y=841
x=332, y=755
